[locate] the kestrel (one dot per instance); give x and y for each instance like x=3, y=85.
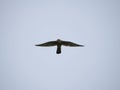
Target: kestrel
x=59, y=43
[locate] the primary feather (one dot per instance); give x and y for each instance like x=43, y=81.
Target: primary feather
x=68, y=43
x=50, y=43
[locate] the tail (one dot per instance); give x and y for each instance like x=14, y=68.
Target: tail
x=58, y=50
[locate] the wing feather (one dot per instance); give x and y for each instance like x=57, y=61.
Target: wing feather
x=68, y=43
x=47, y=44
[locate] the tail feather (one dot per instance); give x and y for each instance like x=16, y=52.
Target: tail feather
x=58, y=50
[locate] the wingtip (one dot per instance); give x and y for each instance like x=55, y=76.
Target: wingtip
x=82, y=45
x=36, y=45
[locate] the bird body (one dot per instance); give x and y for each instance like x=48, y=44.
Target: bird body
x=59, y=43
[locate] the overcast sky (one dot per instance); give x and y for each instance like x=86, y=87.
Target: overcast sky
x=93, y=23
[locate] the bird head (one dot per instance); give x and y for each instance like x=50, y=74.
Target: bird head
x=58, y=40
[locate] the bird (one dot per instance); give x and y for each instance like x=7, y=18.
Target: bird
x=59, y=43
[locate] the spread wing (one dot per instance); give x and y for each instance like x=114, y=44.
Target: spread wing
x=47, y=44
x=71, y=44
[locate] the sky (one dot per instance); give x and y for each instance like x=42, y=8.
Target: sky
x=93, y=23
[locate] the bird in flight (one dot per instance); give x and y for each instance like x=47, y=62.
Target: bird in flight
x=59, y=43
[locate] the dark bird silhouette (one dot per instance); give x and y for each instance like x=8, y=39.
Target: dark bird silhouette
x=59, y=43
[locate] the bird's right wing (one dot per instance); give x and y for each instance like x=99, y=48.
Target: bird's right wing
x=71, y=44
x=47, y=44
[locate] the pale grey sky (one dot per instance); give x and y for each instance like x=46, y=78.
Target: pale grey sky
x=93, y=23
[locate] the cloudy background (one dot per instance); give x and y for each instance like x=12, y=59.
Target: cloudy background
x=93, y=23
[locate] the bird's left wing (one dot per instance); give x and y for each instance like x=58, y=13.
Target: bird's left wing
x=68, y=43
x=47, y=44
